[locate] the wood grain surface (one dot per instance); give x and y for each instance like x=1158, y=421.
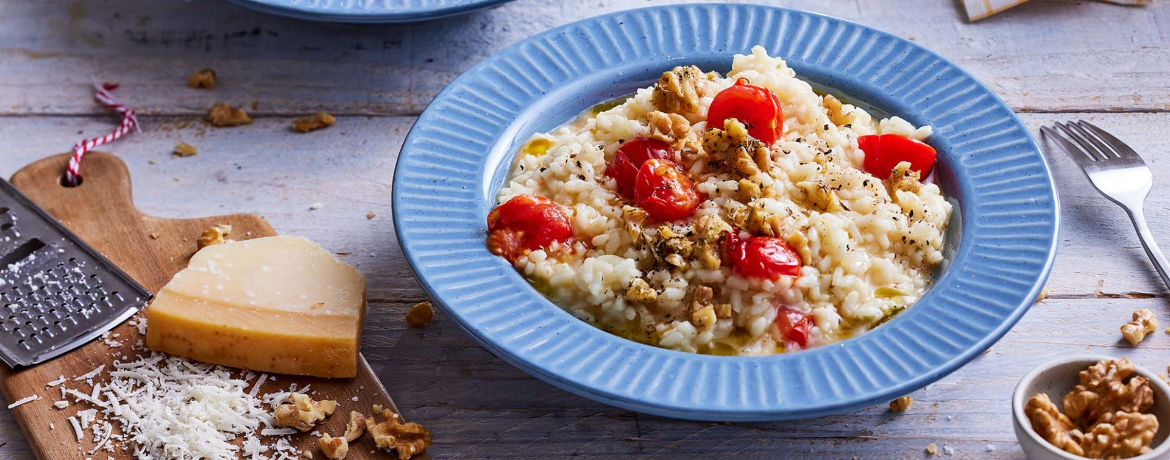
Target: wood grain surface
x=151, y=250
x=1049, y=59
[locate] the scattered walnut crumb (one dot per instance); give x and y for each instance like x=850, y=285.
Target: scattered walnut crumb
x=901, y=404
x=302, y=412
x=370, y=215
x=155, y=236
x=223, y=115
x=355, y=427
x=214, y=235
x=407, y=439
x=1043, y=295
x=931, y=449
x=203, y=79
x=308, y=454
x=420, y=315
x=319, y=120
x=184, y=150
x=333, y=448
x=1143, y=323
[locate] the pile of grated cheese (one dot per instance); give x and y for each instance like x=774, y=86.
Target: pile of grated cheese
x=163, y=407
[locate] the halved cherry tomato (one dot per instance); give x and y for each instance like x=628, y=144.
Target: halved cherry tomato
x=665, y=192
x=756, y=107
x=526, y=223
x=763, y=257
x=794, y=326
x=629, y=158
x=884, y=151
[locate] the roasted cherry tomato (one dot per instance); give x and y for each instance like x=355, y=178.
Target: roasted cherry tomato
x=526, y=223
x=884, y=151
x=763, y=257
x=629, y=159
x=794, y=326
x=756, y=107
x=665, y=192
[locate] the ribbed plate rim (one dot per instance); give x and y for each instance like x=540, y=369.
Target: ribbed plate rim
x=714, y=405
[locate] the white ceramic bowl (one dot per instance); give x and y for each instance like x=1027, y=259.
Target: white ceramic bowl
x=1056, y=378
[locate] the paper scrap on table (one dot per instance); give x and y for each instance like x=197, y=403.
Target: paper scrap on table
x=979, y=9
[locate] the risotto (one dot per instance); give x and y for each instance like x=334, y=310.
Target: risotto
x=743, y=214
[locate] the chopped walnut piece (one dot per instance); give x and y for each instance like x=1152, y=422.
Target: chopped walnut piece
x=407, y=439
x=931, y=449
x=319, y=120
x=820, y=195
x=732, y=147
x=223, y=115
x=723, y=310
x=307, y=454
x=904, y=178
x=749, y=191
x=671, y=128
x=901, y=404
x=634, y=218
x=203, y=79
x=183, y=150
x=420, y=315
x=370, y=215
x=704, y=317
x=1143, y=323
x=333, y=448
x=356, y=426
x=678, y=91
x=1120, y=435
x=1052, y=425
x=302, y=413
x=1043, y=295
x=836, y=111
x=214, y=235
x=641, y=291
x=710, y=226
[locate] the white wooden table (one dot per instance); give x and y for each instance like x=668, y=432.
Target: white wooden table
x=1049, y=59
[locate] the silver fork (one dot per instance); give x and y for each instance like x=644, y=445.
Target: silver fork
x=1116, y=171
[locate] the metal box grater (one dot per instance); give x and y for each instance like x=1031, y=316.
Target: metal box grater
x=56, y=292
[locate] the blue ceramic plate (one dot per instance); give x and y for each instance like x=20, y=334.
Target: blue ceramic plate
x=1000, y=245
x=368, y=11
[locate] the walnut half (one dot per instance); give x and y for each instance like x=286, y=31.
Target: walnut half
x=1120, y=435
x=303, y=413
x=1052, y=425
x=679, y=90
x=406, y=439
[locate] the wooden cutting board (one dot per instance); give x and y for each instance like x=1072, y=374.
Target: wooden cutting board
x=151, y=250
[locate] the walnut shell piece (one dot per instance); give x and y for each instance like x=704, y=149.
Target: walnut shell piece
x=420, y=315
x=406, y=439
x=1143, y=323
x=222, y=115
x=302, y=413
x=319, y=120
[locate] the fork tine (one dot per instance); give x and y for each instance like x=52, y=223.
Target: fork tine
x=1082, y=142
x=1069, y=148
x=1102, y=147
x=1123, y=150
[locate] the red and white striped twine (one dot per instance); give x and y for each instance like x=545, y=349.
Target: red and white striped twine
x=129, y=121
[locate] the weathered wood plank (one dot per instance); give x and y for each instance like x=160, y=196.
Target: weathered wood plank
x=1060, y=55
x=479, y=406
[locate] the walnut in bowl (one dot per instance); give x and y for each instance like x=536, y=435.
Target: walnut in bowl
x=1092, y=406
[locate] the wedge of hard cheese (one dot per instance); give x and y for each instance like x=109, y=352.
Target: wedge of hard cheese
x=279, y=304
